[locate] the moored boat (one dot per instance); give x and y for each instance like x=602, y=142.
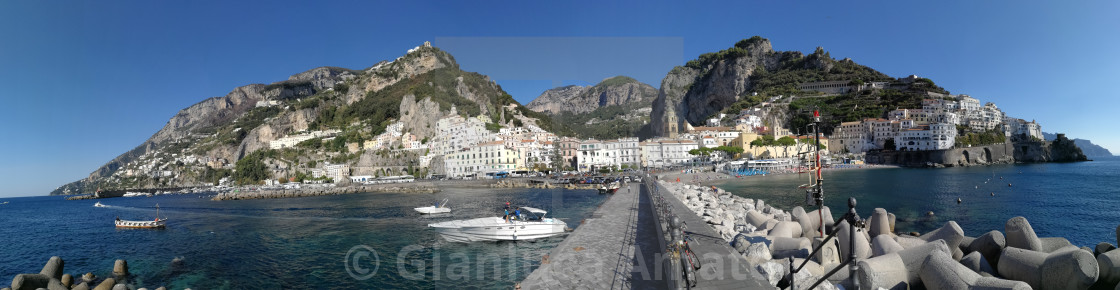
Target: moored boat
x=440, y=207
x=153, y=224
x=609, y=187
x=534, y=226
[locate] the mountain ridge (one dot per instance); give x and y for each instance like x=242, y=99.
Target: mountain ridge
x=202, y=142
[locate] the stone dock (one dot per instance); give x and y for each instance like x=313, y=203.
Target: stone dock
x=620, y=247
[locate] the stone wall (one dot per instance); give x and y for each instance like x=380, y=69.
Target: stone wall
x=977, y=155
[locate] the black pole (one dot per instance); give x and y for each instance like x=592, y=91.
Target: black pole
x=853, y=266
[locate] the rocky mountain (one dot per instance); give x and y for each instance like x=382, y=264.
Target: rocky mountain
x=614, y=91
x=615, y=107
x=1091, y=150
x=751, y=73
x=206, y=141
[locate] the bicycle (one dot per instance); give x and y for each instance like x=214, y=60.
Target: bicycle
x=690, y=263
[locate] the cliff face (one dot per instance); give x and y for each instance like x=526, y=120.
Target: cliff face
x=706, y=86
x=203, y=142
x=1062, y=149
x=1091, y=150
x=613, y=91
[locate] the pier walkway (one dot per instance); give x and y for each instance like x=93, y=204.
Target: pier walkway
x=619, y=247
x=723, y=267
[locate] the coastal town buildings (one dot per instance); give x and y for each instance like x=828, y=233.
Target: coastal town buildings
x=291, y=141
x=665, y=152
x=486, y=157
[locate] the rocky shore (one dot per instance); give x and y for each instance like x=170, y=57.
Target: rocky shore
x=52, y=277
x=1015, y=258
x=416, y=187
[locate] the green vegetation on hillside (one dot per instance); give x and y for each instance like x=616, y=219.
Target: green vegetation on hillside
x=441, y=85
x=615, y=81
x=610, y=124
x=251, y=169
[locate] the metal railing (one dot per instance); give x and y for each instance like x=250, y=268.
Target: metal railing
x=854, y=222
x=663, y=215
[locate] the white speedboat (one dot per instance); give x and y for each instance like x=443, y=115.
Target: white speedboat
x=98, y=204
x=440, y=207
x=533, y=226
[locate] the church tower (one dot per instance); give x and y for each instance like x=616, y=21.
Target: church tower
x=671, y=124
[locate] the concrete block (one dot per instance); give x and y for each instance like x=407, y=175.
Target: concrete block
x=1109, y=268
x=1021, y=264
x=940, y=271
x=892, y=219
x=992, y=283
x=1053, y=244
x=879, y=223
x=1103, y=247
x=53, y=268
x=884, y=272
x=915, y=257
x=884, y=244
x=829, y=253
x=976, y=262
x=784, y=247
x=1069, y=269
x=786, y=230
x=30, y=281
x=756, y=218
x=1021, y=235
x=990, y=245
x=909, y=241
x=862, y=247
x=950, y=232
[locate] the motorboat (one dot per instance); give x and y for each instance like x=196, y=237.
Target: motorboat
x=609, y=187
x=534, y=225
x=98, y=204
x=136, y=194
x=440, y=207
x=158, y=223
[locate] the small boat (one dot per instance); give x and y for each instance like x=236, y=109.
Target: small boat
x=98, y=204
x=534, y=226
x=440, y=207
x=4, y=202
x=158, y=223
x=609, y=187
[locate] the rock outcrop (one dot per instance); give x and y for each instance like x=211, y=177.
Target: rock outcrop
x=619, y=90
x=1062, y=149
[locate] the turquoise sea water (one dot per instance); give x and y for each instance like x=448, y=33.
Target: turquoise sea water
x=296, y=243
x=1078, y=201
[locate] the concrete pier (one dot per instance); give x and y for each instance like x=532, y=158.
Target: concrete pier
x=619, y=248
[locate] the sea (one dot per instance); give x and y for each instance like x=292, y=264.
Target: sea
x=355, y=241
x=1078, y=201
x=376, y=240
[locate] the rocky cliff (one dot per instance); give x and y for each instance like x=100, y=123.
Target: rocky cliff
x=1091, y=150
x=1062, y=149
x=616, y=107
x=205, y=141
x=740, y=77
x=615, y=91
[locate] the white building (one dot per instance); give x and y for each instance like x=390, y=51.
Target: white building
x=668, y=152
x=291, y=141
x=486, y=157
x=937, y=136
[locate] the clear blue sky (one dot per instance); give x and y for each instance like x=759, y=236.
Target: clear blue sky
x=83, y=81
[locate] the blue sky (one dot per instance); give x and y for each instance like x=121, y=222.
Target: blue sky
x=84, y=81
